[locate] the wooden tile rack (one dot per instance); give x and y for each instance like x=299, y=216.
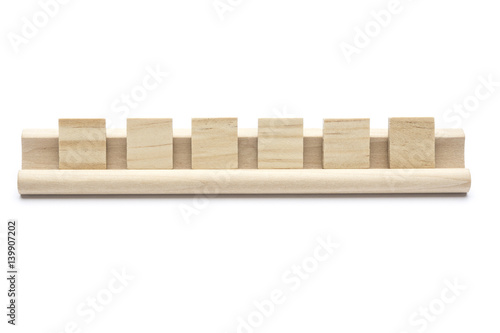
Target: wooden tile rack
x=408, y=157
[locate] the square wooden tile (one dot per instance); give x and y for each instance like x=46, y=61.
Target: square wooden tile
x=346, y=143
x=411, y=143
x=214, y=143
x=82, y=144
x=149, y=143
x=281, y=143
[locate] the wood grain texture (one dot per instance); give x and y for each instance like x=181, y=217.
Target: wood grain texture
x=346, y=143
x=82, y=144
x=149, y=143
x=340, y=181
x=214, y=143
x=281, y=143
x=411, y=143
x=40, y=148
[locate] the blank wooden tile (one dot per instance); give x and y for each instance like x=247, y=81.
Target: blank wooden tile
x=346, y=143
x=411, y=143
x=149, y=143
x=281, y=143
x=82, y=143
x=214, y=143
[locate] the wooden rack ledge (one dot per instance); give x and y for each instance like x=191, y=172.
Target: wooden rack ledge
x=210, y=182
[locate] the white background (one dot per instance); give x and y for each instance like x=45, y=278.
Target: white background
x=266, y=58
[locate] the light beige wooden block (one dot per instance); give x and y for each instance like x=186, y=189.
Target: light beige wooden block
x=149, y=143
x=214, y=143
x=346, y=143
x=281, y=143
x=412, y=143
x=82, y=144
